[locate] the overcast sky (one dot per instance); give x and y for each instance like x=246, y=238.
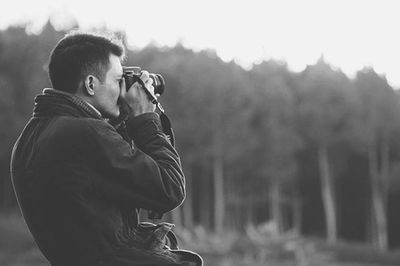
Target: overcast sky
x=350, y=34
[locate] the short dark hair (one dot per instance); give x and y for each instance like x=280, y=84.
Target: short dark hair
x=80, y=54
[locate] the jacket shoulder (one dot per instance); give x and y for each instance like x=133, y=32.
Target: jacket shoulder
x=69, y=137
x=72, y=127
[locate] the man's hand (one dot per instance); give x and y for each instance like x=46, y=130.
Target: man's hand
x=137, y=98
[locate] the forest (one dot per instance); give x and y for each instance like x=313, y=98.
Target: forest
x=268, y=153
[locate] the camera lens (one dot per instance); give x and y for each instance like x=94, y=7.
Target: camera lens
x=158, y=83
x=132, y=74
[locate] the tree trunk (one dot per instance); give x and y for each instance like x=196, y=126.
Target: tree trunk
x=218, y=174
x=188, y=204
x=378, y=215
x=328, y=194
x=385, y=168
x=249, y=213
x=297, y=216
x=231, y=216
x=205, y=203
x=7, y=192
x=276, y=206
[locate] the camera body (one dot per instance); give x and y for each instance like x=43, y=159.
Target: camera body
x=132, y=75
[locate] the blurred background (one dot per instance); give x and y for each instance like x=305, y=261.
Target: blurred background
x=286, y=115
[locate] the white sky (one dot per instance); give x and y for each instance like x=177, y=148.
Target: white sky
x=350, y=34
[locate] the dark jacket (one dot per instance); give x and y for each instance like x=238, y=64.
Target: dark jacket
x=80, y=184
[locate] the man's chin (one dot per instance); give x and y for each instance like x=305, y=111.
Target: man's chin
x=115, y=115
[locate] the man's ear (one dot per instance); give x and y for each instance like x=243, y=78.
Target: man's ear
x=90, y=85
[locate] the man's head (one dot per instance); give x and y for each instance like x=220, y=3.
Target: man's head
x=89, y=65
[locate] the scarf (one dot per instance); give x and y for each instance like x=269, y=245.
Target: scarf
x=56, y=102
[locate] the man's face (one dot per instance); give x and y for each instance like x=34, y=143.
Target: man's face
x=107, y=93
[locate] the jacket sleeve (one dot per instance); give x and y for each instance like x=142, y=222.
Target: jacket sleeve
x=147, y=175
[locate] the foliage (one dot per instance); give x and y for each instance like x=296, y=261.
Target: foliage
x=267, y=123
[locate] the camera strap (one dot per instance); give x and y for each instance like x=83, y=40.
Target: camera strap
x=167, y=128
x=165, y=122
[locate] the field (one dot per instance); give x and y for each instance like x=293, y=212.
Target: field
x=17, y=248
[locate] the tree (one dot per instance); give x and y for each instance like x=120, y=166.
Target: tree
x=323, y=114
x=378, y=120
x=276, y=135
x=22, y=75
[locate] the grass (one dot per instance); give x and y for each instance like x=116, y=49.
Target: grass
x=17, y=248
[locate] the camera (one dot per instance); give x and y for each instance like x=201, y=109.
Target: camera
x=132, y=75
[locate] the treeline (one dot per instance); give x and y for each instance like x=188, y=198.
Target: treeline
x=314, y=152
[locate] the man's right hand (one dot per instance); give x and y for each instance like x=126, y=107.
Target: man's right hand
x=137, y=98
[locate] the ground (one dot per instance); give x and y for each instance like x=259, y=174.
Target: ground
x=17, y=248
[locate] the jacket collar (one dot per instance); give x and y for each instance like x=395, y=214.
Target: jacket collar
x=55, y=102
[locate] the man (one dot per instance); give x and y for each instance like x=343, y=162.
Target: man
x=80, y=184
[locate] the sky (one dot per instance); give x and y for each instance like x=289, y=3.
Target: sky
x=349, y=34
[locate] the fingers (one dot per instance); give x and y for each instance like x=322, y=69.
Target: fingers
x=147, y=81
x=136, y=90
x=137, y=97
x=122, y=88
